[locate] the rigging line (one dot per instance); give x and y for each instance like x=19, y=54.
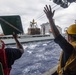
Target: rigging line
x=10, y=24
x=40, y=16
x=43, y=13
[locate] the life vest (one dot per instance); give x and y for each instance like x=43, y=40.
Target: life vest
x=3, y=60
x=70, y=66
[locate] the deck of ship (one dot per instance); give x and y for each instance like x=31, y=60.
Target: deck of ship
x=50, y=71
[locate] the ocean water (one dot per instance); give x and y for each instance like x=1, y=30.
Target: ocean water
x=37, y=58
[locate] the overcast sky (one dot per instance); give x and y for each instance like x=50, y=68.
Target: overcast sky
x=33, y=9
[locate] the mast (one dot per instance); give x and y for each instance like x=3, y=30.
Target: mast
x=33, y=24
x=33, y=28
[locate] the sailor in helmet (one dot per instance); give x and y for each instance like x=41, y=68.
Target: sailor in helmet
x=67, y=63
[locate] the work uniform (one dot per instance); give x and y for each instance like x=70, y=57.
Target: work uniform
x=12, y=54
x=7, y=57
x=67, y=64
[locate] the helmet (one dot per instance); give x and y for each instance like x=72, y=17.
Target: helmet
x=71, y=29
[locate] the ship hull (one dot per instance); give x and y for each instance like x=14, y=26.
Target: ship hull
x=26, y=38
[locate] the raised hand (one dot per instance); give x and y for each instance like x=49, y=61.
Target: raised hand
x=48, y=12
x=15, y=35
